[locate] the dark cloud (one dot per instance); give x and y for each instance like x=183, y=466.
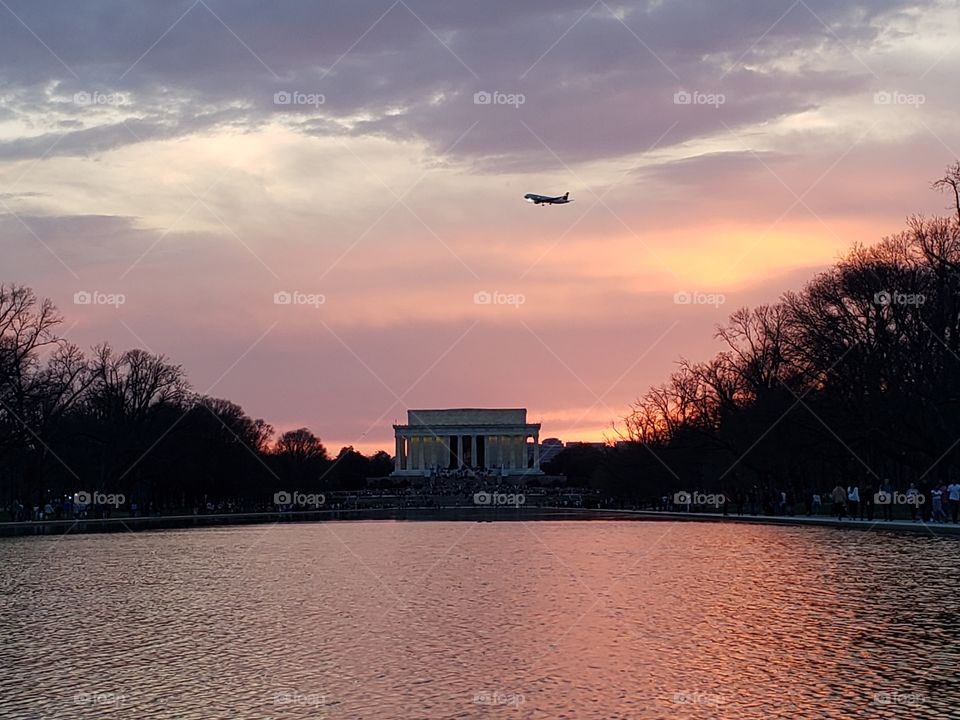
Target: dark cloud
x=596, y=84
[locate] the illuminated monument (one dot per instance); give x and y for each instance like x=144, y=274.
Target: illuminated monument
x=441, y=440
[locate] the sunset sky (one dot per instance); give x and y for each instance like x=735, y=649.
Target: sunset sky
x=198, y=158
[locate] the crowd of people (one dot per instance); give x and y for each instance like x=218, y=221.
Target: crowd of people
x=464, y=482
x=69, y=508
x=441, y=488
x=929, y=502
x=937, y=502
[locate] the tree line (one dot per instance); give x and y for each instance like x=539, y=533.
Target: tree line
x=129, y=423
x=855, y=379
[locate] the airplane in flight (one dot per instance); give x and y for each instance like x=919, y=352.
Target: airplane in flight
x=547, y=200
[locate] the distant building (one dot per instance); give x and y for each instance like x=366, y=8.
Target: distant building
x=578, y=443
x=473, y=438
x=549, y=449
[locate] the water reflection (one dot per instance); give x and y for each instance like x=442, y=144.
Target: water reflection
x=546, y=619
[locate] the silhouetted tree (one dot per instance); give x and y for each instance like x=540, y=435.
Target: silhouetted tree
x=854, y=377
x=301, y=459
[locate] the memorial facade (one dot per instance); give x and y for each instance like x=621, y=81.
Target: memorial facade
x=488, y=439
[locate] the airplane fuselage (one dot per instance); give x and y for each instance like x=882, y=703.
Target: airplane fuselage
x=547, y=199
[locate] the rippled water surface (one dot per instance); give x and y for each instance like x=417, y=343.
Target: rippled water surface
x=464, y=620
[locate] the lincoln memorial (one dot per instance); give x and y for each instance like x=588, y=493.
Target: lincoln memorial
x=467, y=438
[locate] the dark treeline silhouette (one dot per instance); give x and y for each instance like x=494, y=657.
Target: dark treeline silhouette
x=852, y=381
x=128, y=423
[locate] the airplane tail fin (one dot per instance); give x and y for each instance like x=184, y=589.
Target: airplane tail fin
x=566, y=196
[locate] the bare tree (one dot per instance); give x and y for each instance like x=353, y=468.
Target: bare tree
x=27, y=328
x=951, y=183
x=128, y=386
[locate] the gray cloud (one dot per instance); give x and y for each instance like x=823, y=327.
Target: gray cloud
x=604, y=89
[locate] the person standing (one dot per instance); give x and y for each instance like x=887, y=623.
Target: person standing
x=839, y=500
x=886, y=499
x=853, y=500
x=953, y=498
x=936, y=499
x=924, y=500
x=867, y=506
x=913, y=499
